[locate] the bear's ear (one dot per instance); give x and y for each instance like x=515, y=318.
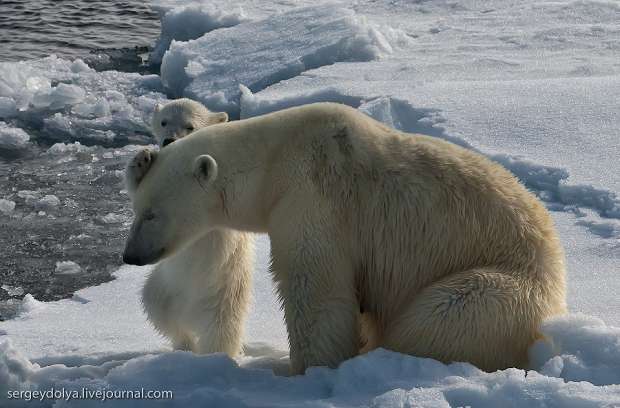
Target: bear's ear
x=220, y=117
x=158, y=107
x=205, y=169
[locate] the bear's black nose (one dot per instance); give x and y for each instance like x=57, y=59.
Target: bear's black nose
x=166, y=142
x=132, y=260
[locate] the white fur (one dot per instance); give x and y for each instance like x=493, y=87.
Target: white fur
x=180, y=117
x=199, y=297
x=443, y=251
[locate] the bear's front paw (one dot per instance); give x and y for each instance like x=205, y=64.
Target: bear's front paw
x=137, y=169
x=140, y=164
x=142, y=159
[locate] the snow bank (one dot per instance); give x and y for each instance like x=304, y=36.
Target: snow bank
x=189, y=22
x=587, y=350
x=64, y=100
x=211, y=68
x=378, y=379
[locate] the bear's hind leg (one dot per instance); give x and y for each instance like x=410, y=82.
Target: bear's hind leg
x=481, y=316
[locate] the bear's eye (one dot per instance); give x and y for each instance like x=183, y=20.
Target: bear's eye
x=163, y=123
x=149, y=215
x=190, y=128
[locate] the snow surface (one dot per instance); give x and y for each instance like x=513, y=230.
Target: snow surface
x=190, y=22
x=211, y=68
x=533, y=85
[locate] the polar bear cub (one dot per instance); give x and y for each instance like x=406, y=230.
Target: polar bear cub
x=197, y=298
x=444, y=251
x=181, y=117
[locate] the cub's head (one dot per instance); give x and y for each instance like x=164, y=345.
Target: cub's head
x=180, y=117
x=174, y=202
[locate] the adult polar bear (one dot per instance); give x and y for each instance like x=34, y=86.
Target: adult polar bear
x=445, y=252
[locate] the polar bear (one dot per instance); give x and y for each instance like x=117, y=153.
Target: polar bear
x=199, y=297
x=181, y=117
x=446, y=254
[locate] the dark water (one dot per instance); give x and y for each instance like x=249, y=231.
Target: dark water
x=88, y=186
x=37, y=28
x=108, y=35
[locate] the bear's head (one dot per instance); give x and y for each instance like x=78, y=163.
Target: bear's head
x=180, y=117
x=173, y=200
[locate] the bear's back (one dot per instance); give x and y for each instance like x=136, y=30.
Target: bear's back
x=426, y=208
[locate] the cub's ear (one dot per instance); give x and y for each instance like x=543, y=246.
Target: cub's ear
x=137, y=169
x=158, y=107
x=205, y=169
x=220, y=117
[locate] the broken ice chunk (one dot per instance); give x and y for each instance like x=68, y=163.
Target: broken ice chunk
x=8, y=107
x=48, y=202
x=12, y=138
x=6, y=206
x=67, y=268
x=13, y=290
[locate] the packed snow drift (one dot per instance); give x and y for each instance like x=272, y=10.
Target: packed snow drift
x=211, y=68
x=533, y=85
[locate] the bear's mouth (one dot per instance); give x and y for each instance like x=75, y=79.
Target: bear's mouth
x=167, y=141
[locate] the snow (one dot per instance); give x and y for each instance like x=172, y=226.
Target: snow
x=190, y=22
x=381, y=379
x=588, y=350
x=211, y=68
x=533, y=85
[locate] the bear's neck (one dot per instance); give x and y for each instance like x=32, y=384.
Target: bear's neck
x=255, y=167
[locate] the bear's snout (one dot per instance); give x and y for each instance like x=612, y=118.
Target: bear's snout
x=139, y=251
x=134, y=258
